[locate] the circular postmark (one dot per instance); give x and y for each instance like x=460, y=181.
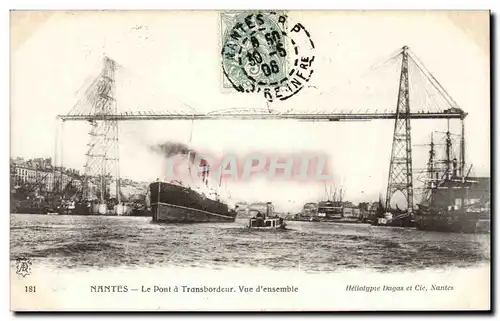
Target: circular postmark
x=260, y=53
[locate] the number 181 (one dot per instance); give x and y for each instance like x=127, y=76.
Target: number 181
x=30, y=288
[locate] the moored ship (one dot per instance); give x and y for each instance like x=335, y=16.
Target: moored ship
x=328, y=210
x=456, y=204
x=453, y=201
x=331, y=208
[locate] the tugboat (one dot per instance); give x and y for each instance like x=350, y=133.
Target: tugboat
x=266, y=220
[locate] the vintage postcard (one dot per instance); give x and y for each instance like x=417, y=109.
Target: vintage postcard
x=250, y=160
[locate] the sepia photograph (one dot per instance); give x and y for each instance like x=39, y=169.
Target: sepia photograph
x=250, y=160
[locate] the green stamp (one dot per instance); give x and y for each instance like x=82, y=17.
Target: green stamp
x=260, y=54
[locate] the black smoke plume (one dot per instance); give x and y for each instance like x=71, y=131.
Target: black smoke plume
x=169, y=149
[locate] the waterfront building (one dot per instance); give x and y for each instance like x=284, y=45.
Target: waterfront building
x=40, y=176
x=351, y=210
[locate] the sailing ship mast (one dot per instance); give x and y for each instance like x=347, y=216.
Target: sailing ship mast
x=432, y=154
x=451, y=171
x=448, y=152
x=462, y=149
x=432, y=173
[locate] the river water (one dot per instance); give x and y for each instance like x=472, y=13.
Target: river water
x=91, y=242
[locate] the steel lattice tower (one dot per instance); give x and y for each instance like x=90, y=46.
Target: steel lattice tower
x=102, y=157
x=400, y=170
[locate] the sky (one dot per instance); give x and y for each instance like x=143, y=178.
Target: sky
x=171, y=61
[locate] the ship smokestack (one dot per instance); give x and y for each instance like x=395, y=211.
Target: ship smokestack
x=204, y=171
x=269, y=209
x=455, y=167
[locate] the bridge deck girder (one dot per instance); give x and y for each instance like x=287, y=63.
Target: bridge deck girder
x=263, y=116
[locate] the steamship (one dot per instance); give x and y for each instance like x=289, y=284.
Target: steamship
x=331, y=210
x=174, y=202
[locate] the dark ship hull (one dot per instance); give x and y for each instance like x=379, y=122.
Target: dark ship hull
x=457, y=205
x=30, y=210
x=458, y=221
x=26, y=207
x=179, y=204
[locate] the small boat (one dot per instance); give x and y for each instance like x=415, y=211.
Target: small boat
x=400, y=220
x=382, y=221
x=266, y=220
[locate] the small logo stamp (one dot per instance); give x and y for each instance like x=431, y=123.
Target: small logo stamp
x=262, y=53
x=23, y=266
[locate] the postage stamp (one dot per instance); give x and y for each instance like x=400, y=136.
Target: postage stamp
x=265, y=52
